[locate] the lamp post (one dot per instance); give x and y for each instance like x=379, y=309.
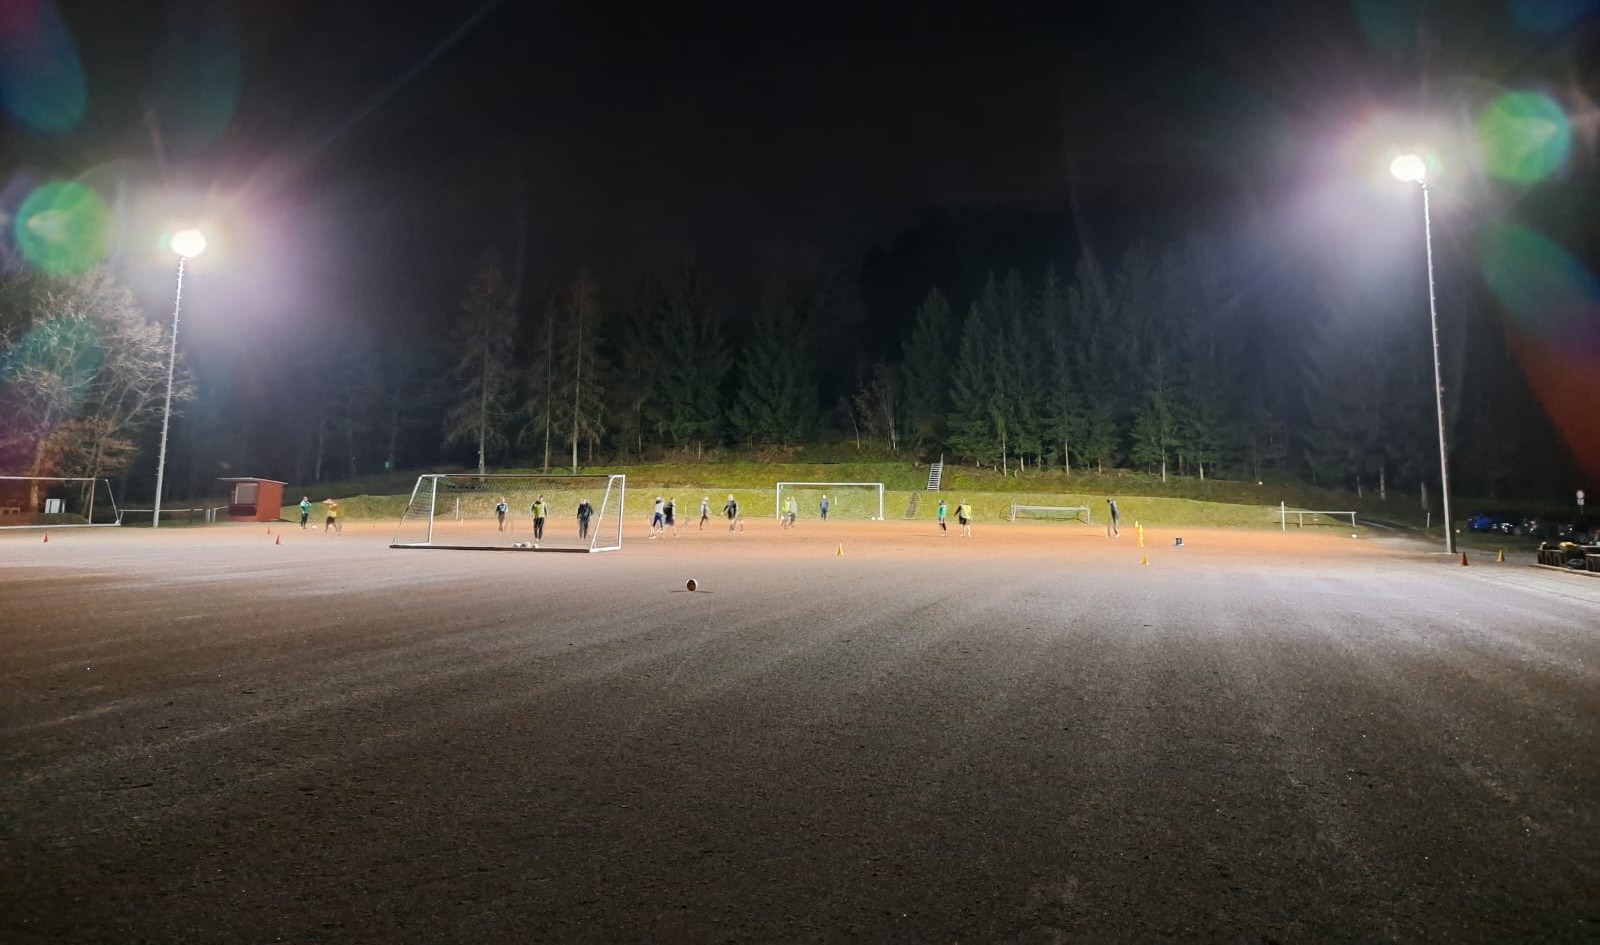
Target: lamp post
x=1413, y=170
x=187, y=244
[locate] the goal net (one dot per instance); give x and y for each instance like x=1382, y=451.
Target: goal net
x=36, y=501
x=847, y=500
x=462, y=511
x=1051, y=513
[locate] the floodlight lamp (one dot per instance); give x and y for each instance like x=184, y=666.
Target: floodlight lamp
x=1409, y=168
x=188, y=243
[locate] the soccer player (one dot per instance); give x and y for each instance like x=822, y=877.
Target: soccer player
x=788, y=512
x=1112, y=531
x=964, y=516
x=305, y=510
x=332, y=521
x=823, y=507
x=585, y=512
x=705, y=511
x=500, y=510
x=657, y=519
x=731, y=509
x=944, y=526
x=541, y=509
x=671, y=511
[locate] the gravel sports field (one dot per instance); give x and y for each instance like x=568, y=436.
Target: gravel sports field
x=1023, y=737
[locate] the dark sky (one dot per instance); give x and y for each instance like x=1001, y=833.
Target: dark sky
x=373, y=148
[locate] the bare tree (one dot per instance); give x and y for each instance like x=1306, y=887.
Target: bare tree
x=484, y=361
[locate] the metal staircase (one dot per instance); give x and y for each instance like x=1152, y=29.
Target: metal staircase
x=911, y=510
x=935, y=473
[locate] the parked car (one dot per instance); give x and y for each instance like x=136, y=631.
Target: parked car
x=1503, y=523
x=1538, y=526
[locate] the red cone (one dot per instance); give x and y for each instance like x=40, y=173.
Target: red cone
x=47, y=538
x=278, y=540
x=1463, y=559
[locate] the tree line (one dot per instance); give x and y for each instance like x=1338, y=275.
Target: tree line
x=1161, y=362
x=1170, y=359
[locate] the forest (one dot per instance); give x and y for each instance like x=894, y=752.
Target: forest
x=1172, y=359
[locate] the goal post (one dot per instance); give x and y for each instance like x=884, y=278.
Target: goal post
x=848, y=500
x=57, y=502
x=462, y=511
x=1052, y=513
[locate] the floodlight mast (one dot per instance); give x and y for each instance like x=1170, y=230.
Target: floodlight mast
x=1412, y=169
x=187, y=244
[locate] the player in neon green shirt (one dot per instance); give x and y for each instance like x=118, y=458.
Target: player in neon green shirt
x=541, y=508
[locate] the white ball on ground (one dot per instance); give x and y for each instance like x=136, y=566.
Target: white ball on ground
x=692, y=584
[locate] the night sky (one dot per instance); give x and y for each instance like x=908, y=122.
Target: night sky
x=341, y=138
x=357, y=157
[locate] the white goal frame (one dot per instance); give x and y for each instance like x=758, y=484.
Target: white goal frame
x=612, y=508
x=777, y=494
x=1088, y=515
x=1283, y=512
x=116, y=513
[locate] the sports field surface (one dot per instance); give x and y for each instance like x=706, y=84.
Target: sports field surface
x=1027, y=736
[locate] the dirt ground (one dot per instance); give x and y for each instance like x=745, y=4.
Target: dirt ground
x=1027, y=736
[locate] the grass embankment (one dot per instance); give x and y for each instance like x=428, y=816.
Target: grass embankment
x=1178, y=502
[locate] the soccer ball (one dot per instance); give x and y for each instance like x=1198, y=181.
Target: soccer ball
x=692, y=585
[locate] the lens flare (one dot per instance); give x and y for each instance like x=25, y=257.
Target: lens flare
x=1551, y=293
x=41, y=79
x=62, y=227
x=1551, y=16
x=1525, y=137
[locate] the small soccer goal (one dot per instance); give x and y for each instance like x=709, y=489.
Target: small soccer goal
x=56, y=502
x=1303, y=517
x=1051, y=513
x=464, y=512
x=846, y=500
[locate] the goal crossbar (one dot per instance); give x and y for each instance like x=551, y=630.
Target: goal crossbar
x=460, y=512
x=1018, y=508
x=777, y=493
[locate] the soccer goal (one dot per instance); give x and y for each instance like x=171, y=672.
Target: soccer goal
x=1052, y=513
x=849, y=500
x=462, y=512
x=55, y=502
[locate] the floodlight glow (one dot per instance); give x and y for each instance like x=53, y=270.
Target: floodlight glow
x=1409, y=168
x=188, y=243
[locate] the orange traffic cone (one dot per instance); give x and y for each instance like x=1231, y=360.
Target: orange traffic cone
x=1463, y=559
x=47, y=538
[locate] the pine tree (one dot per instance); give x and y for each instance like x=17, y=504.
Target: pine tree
x=484, y=363
x=1061, y=408
x=578, y=389
x=1093, y=315
x=926, y=368
x=1155, y=424
x=971, y=422
x=777, y=399
x=690, y=363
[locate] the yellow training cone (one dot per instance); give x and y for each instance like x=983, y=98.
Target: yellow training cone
x=839, y=552
x=1502, y=557
x=1144, y=560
